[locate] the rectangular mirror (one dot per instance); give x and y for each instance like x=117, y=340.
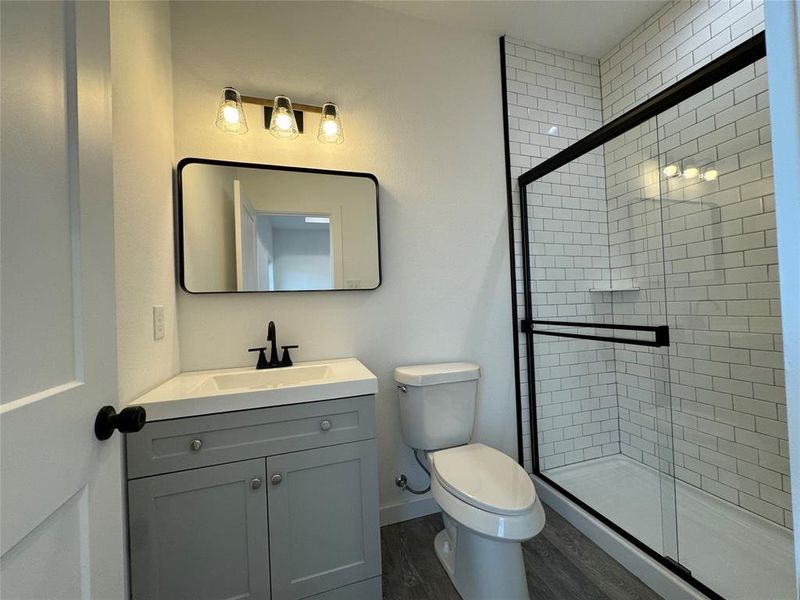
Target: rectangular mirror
x=261, y=228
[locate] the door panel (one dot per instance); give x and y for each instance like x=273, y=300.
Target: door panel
x=244, y=222
x=200, y=534
x=61, y=518
x=323, y=518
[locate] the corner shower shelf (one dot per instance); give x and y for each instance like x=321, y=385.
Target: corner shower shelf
x=615, y=289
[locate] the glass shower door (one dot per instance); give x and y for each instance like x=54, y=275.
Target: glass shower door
x=729, y=404
x=597, y=336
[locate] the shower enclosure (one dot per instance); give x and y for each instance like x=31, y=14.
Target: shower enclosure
x=651, y=330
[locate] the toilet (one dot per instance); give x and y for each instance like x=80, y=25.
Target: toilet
x=488, y=501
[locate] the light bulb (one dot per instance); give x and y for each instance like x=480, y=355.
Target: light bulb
x=283, y=121
x=691, y=172
x=710, y=175
x=330, y=125
x=230, y=114
x=283, y=124
x=671, y=170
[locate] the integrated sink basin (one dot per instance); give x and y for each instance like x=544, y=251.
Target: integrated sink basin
x=267, y=378
x=225, y=390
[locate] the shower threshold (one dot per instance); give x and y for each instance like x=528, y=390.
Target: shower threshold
x=738, y=554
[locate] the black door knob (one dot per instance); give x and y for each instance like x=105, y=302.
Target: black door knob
x=128, y=420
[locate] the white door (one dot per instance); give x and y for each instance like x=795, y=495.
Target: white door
x=244, y=225
x=61, y=516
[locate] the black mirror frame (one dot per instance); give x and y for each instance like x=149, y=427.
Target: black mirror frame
x=178, y=220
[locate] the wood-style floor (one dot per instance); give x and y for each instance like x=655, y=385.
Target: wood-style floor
x=561, y=564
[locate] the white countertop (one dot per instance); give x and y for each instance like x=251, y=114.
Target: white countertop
x=225, y=390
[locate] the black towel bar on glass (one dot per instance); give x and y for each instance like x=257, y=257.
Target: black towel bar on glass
x=661, y=332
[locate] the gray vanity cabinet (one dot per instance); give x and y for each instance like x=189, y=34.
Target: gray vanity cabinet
x=200, y=534
x=320, y=502
x=277, y=503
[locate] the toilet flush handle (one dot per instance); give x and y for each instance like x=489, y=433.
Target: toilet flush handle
x=402, y=388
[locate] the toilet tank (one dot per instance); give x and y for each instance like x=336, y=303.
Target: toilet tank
x=437, y=403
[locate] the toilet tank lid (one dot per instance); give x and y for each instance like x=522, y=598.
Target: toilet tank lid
x=437, y=373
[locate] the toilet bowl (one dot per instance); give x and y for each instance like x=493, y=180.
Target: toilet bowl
x=488, y=501
x=490, y=507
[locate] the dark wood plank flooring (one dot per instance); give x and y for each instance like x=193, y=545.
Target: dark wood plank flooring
x=561, y=564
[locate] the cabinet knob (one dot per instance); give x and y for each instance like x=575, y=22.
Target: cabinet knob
x=196, y=445
x=325, y=425
x=255, y=483
x=277, y=478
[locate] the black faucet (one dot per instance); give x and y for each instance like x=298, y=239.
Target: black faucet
x=273, y=353
x=273, y=362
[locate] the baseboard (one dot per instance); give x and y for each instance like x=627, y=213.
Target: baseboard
x=404, y=511
x=657, y=577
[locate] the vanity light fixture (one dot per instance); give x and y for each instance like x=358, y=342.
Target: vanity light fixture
x=318, y=219
x=230, y=113
x=282, y=117
x=330, y=125
x=689, y=173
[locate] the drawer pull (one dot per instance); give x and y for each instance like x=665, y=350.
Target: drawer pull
x=325, y=425
x=277, y=478
x=196, y=445
x=255, y=483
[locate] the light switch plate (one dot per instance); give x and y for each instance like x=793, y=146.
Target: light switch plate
x=158, y=323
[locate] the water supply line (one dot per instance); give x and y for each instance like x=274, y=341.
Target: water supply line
x=402, y=480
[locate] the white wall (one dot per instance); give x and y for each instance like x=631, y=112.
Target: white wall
x=421, y=109
x=208, y=228
x=143, y=157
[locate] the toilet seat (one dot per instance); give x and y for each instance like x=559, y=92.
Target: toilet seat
x=484, y=478
x=488, y=524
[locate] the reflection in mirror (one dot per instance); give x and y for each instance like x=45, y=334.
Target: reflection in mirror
x=256, y=228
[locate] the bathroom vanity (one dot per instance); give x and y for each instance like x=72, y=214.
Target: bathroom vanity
x=257, y=484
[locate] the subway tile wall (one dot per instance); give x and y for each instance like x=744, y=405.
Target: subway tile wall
x=677, y=40
x=715, y=257
x=722, y=302
x=722, y=305
x=550, y=89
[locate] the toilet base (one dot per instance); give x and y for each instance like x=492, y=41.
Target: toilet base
x=480, y=567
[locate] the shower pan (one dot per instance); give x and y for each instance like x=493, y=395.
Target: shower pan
x=651, y=328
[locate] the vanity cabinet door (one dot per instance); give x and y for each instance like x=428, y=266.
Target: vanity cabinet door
x=323, y=515
x=200, y=534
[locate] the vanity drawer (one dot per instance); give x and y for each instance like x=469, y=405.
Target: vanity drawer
x=179, y=444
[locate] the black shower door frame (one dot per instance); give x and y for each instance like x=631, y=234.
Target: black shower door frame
x=715, y=71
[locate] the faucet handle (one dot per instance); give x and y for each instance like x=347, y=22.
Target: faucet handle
x=286, y=360
x=262, y=357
